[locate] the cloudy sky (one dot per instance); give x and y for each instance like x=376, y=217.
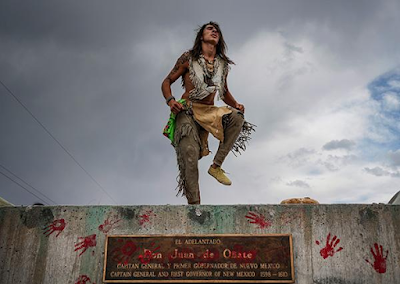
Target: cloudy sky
x=81, y=111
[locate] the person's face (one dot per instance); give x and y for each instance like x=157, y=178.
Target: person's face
x=211, y=34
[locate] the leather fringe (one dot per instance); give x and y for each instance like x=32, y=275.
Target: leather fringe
x=243, y=138
x=185, y=130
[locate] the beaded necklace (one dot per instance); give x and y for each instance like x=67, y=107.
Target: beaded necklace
x=207, y=77
x=208, y=67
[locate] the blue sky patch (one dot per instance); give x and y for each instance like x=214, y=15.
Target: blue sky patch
x=385, y=90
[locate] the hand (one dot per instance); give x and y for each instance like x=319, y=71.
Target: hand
x=239, y=107
x=330, y=247
x=380, y=258
x=259, y=220
x=175, y=106
x=57, y=225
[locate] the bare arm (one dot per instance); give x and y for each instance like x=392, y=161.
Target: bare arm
x=181, y=66
x=230, y=100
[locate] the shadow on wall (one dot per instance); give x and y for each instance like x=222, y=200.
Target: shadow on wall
x=395, y=199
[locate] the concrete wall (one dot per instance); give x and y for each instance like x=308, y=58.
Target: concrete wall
x=66, y=244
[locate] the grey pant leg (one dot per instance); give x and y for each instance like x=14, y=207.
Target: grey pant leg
x=187, y=147
x=233, y=124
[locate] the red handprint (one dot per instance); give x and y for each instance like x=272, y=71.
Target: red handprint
x=145, y=218
x=83, y=279
x=259, y=219
x=329, y=249
x=124, y=253
x=85, y=243
x=56, y=225
x=379, y=260
x=108, y=225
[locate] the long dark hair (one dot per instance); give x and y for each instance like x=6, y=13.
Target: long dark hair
x=221, y=46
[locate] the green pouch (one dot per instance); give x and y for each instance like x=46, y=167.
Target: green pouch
x=169, y=129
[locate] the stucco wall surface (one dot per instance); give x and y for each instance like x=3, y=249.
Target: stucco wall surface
x=341, y=244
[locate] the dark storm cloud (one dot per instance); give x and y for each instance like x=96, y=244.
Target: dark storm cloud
x=70, y=65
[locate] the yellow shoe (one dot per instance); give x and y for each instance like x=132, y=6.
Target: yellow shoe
x=219, y=175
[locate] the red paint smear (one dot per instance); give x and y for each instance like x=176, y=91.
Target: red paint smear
x=124, y=253
x=108, y=225
x=317, y=242
x=145, y=218
x=56, y=225
x=83, y=279
x=85, y=243
x=329, y=249
x=259, y=220
x=147, y=256
x=379, y=259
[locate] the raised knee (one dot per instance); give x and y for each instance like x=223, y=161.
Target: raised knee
x=237, y=117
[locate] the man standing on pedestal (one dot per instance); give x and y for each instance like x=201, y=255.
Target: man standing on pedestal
x=204, y=70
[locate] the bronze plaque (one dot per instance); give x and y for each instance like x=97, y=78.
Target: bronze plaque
x=199, y=258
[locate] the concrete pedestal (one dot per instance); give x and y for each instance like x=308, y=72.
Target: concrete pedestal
x=66, y=244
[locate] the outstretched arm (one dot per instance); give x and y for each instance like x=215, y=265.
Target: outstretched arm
x=182, y=64
x=230, y=100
